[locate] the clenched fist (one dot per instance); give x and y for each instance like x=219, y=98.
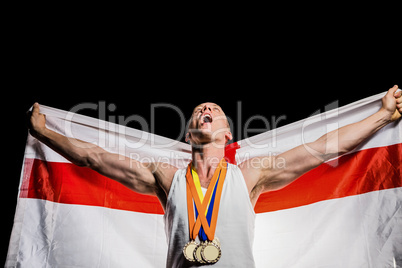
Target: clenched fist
x=36, y=121
x=392, y=103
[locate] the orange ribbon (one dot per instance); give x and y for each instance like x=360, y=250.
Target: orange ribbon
x=195, y=225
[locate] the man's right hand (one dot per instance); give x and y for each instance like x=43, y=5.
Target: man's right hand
x=36, y=121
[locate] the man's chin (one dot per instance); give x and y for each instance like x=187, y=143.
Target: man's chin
x=201, y=136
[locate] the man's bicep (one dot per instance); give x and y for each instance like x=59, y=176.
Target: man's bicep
x=284, y=168
x=131, y=173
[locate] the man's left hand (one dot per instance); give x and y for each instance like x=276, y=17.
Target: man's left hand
x=392, y=103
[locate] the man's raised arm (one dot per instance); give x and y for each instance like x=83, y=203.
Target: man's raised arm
x=143, y=178
x=305, y=157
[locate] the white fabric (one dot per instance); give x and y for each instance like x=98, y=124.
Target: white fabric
x=355, y=231
x=49, y=234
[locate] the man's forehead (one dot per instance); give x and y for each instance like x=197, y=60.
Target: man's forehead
x=208, y=103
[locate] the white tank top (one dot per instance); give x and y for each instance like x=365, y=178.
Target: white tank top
x=235, y=225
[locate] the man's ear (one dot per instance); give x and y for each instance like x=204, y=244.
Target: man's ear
x=188, y=137
x=228, y=136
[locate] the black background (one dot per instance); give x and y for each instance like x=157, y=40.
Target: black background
x=289, y=70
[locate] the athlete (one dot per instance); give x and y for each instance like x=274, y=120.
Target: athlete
x=228, y=241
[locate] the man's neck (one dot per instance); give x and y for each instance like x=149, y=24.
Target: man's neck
x=206, y=159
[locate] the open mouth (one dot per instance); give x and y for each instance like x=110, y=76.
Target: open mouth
x=206, y=118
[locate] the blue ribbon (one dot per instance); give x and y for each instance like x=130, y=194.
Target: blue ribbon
x=202, y=235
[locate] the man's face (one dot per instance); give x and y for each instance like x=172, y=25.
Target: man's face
x=208, y=123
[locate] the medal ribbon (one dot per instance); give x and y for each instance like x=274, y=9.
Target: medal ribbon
x=202, y=234
x=215, y=186
x=198, y=186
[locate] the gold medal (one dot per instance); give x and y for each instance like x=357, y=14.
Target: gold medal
x=210, y=252
x=197, y=253
x=188, y=250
